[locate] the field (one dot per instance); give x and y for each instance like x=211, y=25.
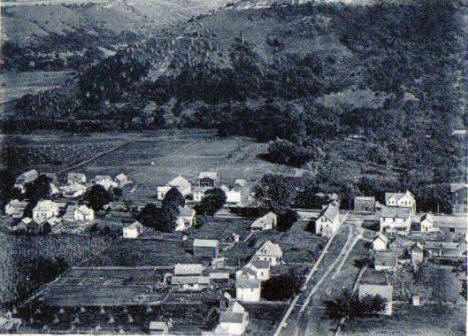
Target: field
x=263, y=319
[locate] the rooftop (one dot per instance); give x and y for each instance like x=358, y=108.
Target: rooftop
x=396, y=212
x=230, y=317
x=269, y=248
x=330, y=212
x=441, y=245
x=385, y=258
x=205, y=243
x=260, y=264
x=186, y=269
x=374, y=277
x=183, y=280
x=247, y=283
x=398, y=195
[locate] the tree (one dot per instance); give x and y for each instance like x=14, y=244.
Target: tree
x=160, y=219
x=278, y=288
x=277, y=188
x=97, y=196
x=213, y=200
x=173, y=198
x=286, y=218
x=350, y=305
x=38, y=189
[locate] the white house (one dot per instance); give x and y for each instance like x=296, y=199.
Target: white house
x=76, y=178
x=73, y=190
x=178, y=182
x=45, y=210
x=199, y=193
x=401, y=200
x=261, y=269
x=427, y=223
x=380, y=242
x=208, y=179
x=188, y=269
x=328, y=222
x=15, y=208
x=186, y=219
x=248, y=290
x=396, y=219
x=236, y=196
x=24, y=178
x=105, y=181
x=269, y=252
x=122, y=180
x=83, y=214
x=266, y=222
x=133, y=230
x=190, y=283
x=374, y=283
x=233, y=321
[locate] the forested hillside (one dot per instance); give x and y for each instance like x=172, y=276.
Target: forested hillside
x=365, y=97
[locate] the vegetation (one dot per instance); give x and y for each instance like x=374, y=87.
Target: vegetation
x=279, y=288
x=97, y=196
x=351, y=306
x=213, y=200
x=173, y=198
x=160, y=219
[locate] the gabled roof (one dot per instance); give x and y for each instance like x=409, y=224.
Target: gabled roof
x=398, y=196
x=185, y=280
x=417, y=247
x=135, y=225
x=330, y=212
x=247, y=270
x=396, y=212
x=179, y=181
x=230, y=317
x=432, y=244
x=241, y=182
x=270, y=249
x=365, y=198
x=454, y=187
x=427, y=216
x=236, y=307
x=260, y=264
x=85, y=210
x=385, y=258
x=205, y=243
x=382, y=237
x=188, y=269
x=265, y=219
x=208, y=174
x=45, y=205
x=247, y=283
x=18, y=204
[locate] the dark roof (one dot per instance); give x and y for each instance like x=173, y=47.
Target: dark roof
x=260, y=264
x=184, y=280
x=247, y=283
x=230, y=317
x=385, y=258
x=330, y=212
x=396, y=212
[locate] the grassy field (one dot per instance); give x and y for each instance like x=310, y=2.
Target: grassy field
x=263, y=319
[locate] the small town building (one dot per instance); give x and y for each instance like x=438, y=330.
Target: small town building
x=396, y=220
x=266, y=222
x=401, y=200
x=328, y=222
x=374, y=283
x=208, y=179
x=443, y=249
x=241, y=182
x=237, y=195
x=73, y=190
x=385, y=260
x=248, y=290
x=25, y=178
x=186, y=219
x=261, y=269
x=15, y=208
x=159, y=328
x=206, y=248
x=190, y=283
x=122, y=180
x=45, y=210
x=417, y=255
x=179, y=182
x=364, y=204
x=427, y=223
x=76, y=178
x=133, y=231
x=188, y=269
x=84, y=214
x=199, y=193
x=459, y=193
x=233, y=321
x=246, y=272
x=380, y=242
x=270, y=252
x=105, y=181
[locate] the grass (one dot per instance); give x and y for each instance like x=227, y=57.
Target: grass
x=263, y=319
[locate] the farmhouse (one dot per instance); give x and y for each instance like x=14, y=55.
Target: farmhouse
x=364, y=204
x=380, y=242
x=236, y=196
x=328, y=222
x=385, y=260
x=132, y=231
x=73, y=190
x=427, y=223
x=199, y=193
x=24, y=178
x=84, y=214
x=395, y=219
x=105, y=181
x=266, y=222
x=76, y=178
x=208, y=179
x=178, y=182
x=45, y=210
x=269, y=252
x=248, y=290
x=186, y=219
x=459, y=193
x=443, y=249
x=206, y=248
x=374, y=283
x=15, y=208
x=233, y=321
x=401, y=200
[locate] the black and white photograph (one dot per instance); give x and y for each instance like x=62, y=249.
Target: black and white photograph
x=233, y=167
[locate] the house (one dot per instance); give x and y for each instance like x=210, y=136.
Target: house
x=266, y=222
x=188, y=269
x=396, y=220
x=364, y=204
x=417, y=254
x=208, y=179
x=269, y=252
x=261, y=269
x=132, y=231
x=236, y=196
x=455, y=225
x=25, y=178
x=459, y=193
x=233, y=321
x=15, y=208
x=83, y=214
x=427, y=223
x=401, y=200
x=45, y=210
x=248, y=290
x=385, y=260
x=380, y=242
x=105, y=181
x=443, y=249
x=206, y=248
x=190, y=283
x=76, y=178
x=246, y=272
x=328, y=222
x=199, y=193
x=374, y=283
x=122, y=180
x=186, y=219
x=159, y=328
x=179, y=182
x=73, y=190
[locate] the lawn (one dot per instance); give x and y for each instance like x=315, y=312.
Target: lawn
x=222, y=229
x=263, y=319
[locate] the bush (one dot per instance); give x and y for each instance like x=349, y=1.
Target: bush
x=213, y=200
x=97, y=196
x=285, y=152
x=173, y=198
x=350, y=305
x=160, y=219
x=286, y=218
x=279, y=288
